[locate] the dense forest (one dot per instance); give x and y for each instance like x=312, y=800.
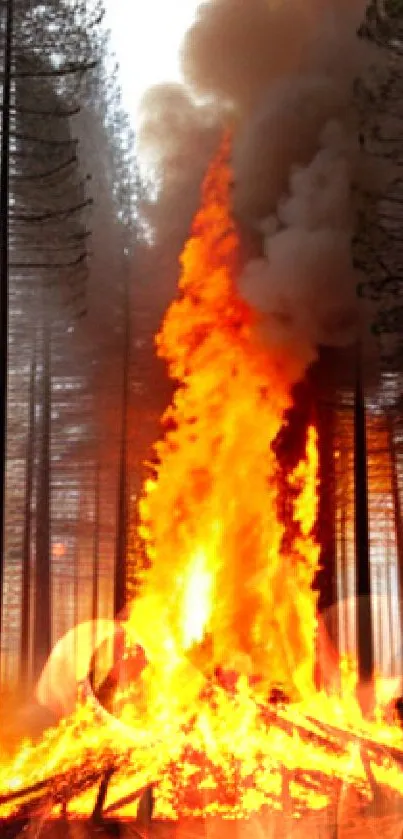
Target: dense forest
x=70, y=230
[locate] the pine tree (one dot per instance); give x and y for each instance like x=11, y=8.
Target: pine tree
x=44, y=263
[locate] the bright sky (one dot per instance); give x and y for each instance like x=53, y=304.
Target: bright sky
x=146, y=38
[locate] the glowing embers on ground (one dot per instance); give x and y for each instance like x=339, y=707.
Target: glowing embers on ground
x=226, y=617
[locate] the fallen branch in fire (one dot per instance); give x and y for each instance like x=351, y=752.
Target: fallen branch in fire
x=60, y=788
x=96, y=772
x=74, y=781
x=127, y=799
x=290, y=727
x=372, y=749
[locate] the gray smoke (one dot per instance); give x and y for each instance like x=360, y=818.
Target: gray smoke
x=281, y=73
x=305, y=282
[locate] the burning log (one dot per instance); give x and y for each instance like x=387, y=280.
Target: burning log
x=290, y=727
x=60, y=789
x=97, y=814
x=373, y=749
x=64, y=787
x=126, y=800
x=22, y=793
x=146, y=807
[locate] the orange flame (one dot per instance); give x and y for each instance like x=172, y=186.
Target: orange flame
x=212, y=513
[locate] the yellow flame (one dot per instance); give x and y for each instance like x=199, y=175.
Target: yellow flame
x=197, y=600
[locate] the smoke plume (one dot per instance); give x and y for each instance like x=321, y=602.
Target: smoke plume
x=281, y=74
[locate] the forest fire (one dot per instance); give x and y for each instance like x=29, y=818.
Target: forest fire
x=214, y=700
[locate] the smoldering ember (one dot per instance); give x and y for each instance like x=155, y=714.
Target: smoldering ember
x=201, y=551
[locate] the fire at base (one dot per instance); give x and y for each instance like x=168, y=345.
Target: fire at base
x=226, y=617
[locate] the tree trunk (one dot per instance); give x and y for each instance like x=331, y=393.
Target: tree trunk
x=365, y=642
x=42, y=620
x=4, y=278
x=95, y=566
x=343, y=503
x=397, y=513
x=95, y=556
x=122, y=497
x=27, y=534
